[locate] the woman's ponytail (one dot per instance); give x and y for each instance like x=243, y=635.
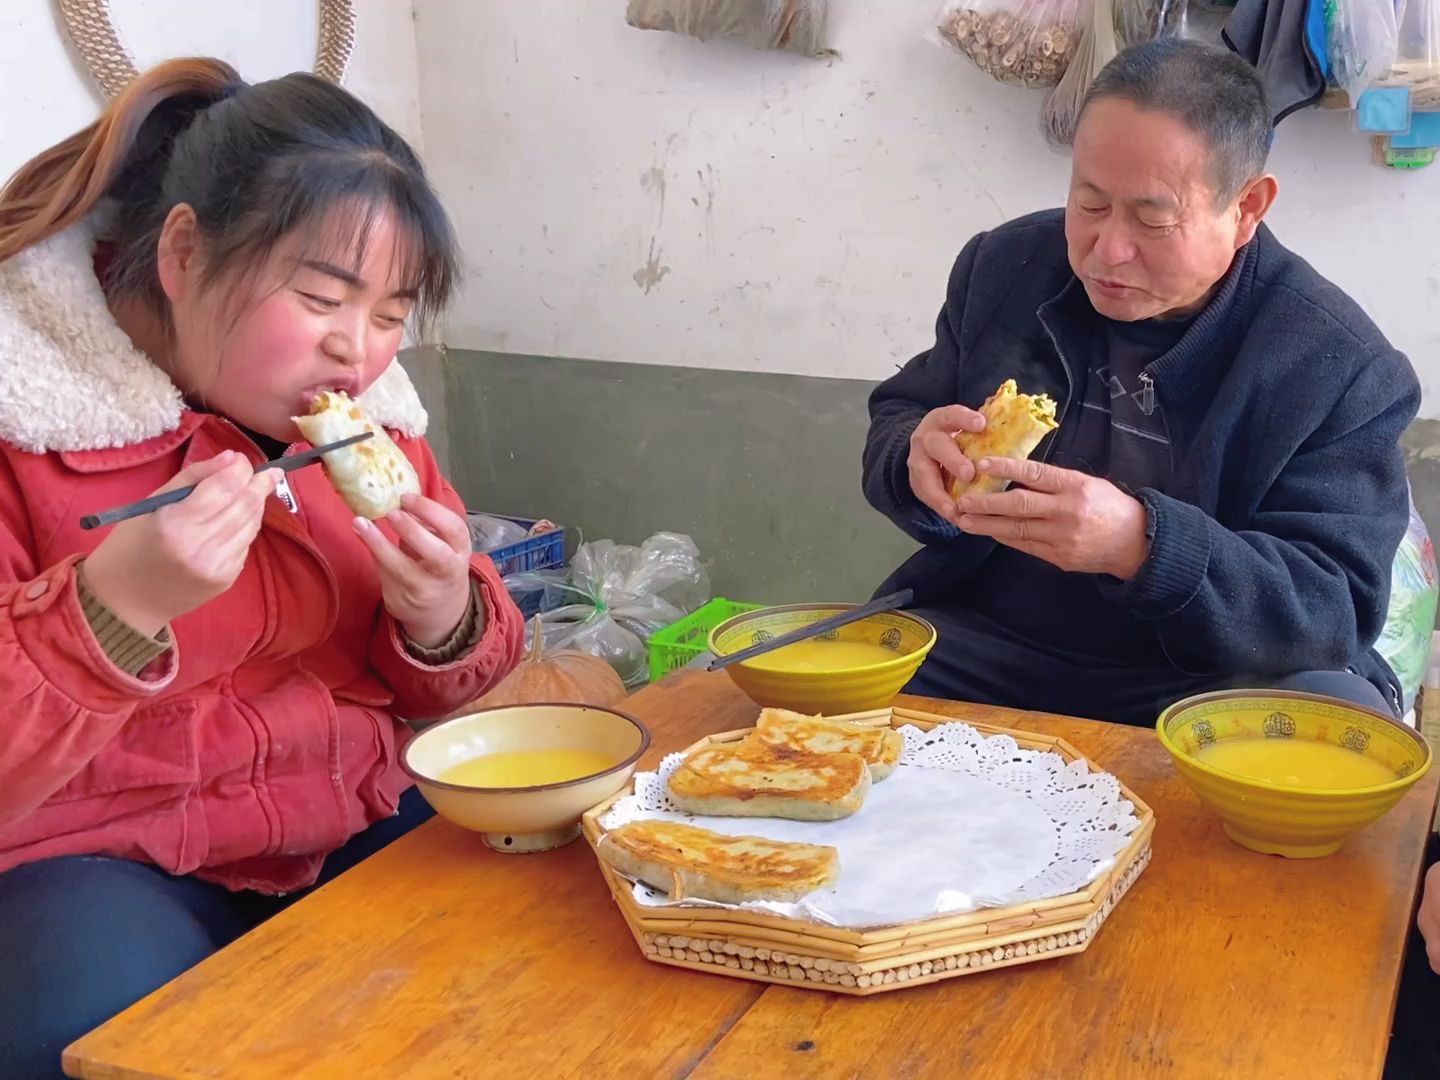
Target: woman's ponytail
x=123, y=153
x=294, y=159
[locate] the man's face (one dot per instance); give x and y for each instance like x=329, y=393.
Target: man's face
x=1145, y=234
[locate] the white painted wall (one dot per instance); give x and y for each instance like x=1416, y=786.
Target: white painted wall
x=45, y=94
x=625, y=195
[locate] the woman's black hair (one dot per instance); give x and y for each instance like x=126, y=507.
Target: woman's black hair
x=291, y=157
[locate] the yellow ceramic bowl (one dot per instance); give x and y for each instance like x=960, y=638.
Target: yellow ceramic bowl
x=523, y=819
x=1300, y=823
x=841, y=690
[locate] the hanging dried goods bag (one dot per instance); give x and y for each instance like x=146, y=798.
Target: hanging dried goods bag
x=1029, y=42
x=1060, y=114
x=1138, y=21
x=792, y=25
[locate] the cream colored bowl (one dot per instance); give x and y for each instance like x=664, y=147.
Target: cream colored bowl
x=525, y=819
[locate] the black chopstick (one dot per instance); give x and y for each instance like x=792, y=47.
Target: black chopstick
x=169, y=498
x=824, y=626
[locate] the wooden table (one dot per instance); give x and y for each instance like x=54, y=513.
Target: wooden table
x=439, y=958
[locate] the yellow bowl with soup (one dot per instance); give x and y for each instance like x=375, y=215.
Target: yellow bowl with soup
x=521, y=775
x=856, y=668
x=1292, y=774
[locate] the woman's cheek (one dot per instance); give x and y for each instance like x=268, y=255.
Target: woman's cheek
x=380, y=355
x=279, y=339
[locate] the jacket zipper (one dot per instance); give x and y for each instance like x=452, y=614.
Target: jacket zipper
x=1147, y=393
x=1069, y=378
x=283, y=491
x=1147, y=397
x=300, y=537
x=259, y=457
x=1149, y=402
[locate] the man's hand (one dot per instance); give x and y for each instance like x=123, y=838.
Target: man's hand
x=935, y=459
x=1073, y=520
x=1429, y=918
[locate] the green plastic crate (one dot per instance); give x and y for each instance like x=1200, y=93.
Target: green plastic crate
x=681, y=642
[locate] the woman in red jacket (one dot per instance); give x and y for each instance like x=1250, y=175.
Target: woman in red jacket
x=203, y=706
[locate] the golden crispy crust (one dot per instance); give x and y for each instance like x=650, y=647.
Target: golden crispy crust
x=749, y=779
x=782, y=730
x=1014, y=425
x=689, y=862
x=371, y=476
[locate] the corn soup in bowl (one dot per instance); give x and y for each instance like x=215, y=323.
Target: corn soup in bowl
x=1289, y=773
x=856, y=668
x=521, y=775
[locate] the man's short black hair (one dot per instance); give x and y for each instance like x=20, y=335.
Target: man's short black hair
x=1210, y=90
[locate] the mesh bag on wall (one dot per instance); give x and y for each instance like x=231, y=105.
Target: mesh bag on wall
x=1029, y=42
x=795, y=25
x=1145, y=20
x=1098, y=45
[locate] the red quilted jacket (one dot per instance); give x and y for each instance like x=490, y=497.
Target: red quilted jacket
x=269, y=734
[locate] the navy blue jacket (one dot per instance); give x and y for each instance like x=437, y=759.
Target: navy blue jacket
x=1272, y=543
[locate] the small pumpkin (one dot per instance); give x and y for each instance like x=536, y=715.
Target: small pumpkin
x=565, y=677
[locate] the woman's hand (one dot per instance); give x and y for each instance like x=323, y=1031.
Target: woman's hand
x=153, y=569
x=425, y=579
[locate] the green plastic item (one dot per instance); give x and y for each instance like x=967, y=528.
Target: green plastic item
x=681, y=642
x=1410, y=619
x=1413, y=158
x=1397, y=157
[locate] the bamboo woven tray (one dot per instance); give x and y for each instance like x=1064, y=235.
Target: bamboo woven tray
x=791, y=952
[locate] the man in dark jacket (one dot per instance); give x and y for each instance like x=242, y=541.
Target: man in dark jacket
x=1225, y=493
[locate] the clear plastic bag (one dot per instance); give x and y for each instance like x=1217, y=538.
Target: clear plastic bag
x=620, y=595
x=1362, y=40
x=1098, y=46
x=488, y=533
x=1146, y=20
x=1029, y=42
x=1418, y=39
x=1410, y=619
x=793, y=25
x=539, y=590
x=1418, y=61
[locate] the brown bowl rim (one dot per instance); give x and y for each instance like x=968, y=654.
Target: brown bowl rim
x=840, y=605
x=629, y=762
x=1170, y=712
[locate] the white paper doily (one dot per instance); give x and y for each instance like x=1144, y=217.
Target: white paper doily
x=965, y=821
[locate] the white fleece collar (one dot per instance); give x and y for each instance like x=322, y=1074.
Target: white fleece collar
x=71, y=380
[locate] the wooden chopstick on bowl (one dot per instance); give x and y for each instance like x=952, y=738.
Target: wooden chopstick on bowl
x=875, y=607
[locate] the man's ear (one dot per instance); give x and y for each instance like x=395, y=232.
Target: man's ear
x=1251, y=207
